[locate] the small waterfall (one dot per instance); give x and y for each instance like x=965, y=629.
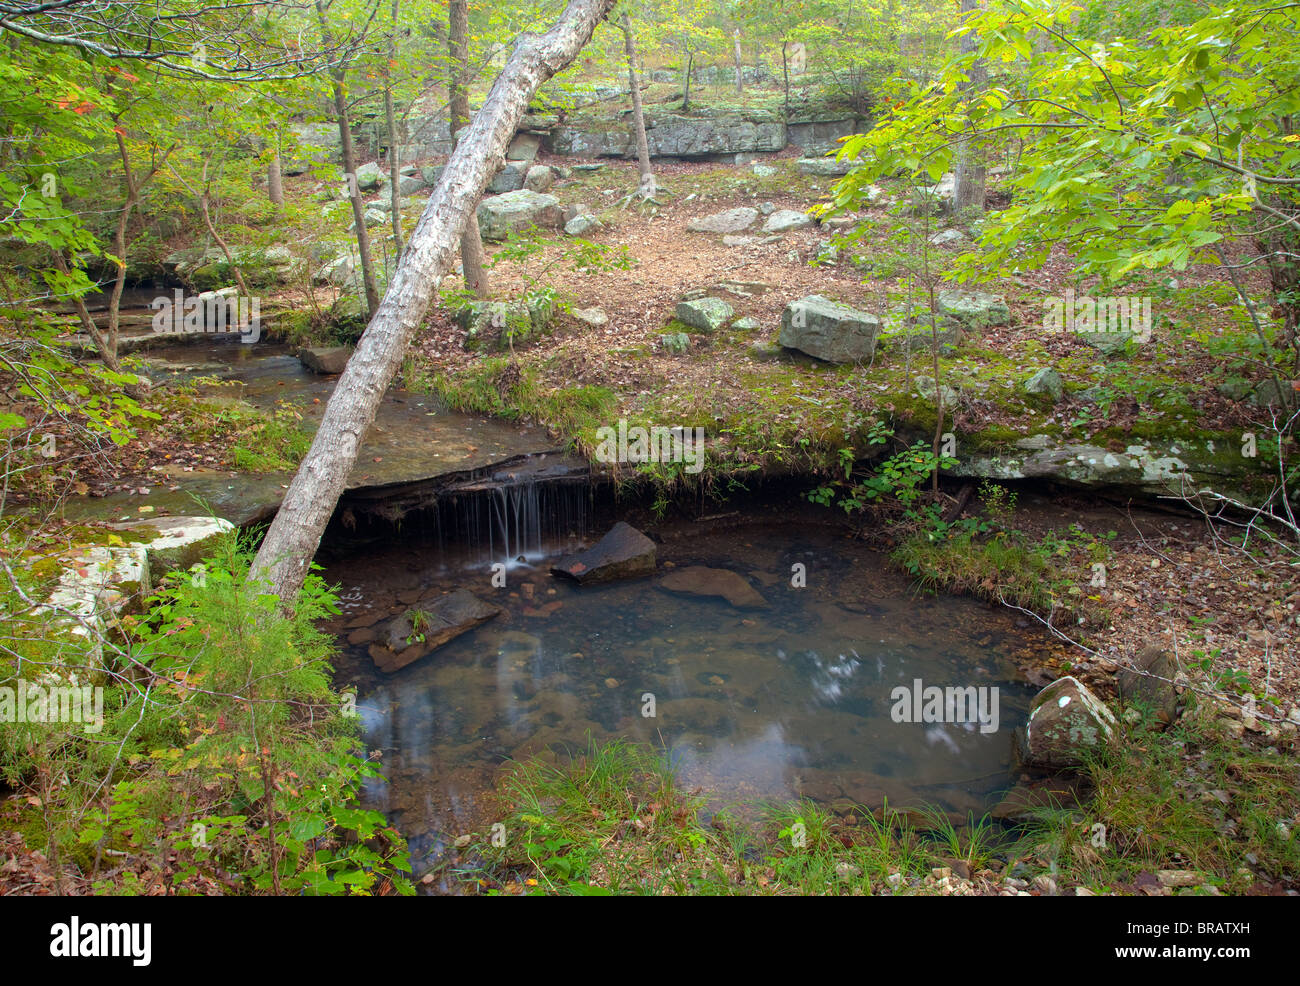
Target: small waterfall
x=528, y=519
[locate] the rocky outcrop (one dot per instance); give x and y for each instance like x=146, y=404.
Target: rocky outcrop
x=696, y=580
x=622, y=553
x=422, y=630
x=671, y=135
x=828, y=330
x=1067, y=725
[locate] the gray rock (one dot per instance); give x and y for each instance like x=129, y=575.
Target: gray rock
x=823, y=167
x=176, y=543
x=730, y=221
x=500, y=215
x=951, y=238
x=327, y=360
x=936, y=198
x=539, y=178
x=592, y=317
x=622, y=553
x=524, y=149
x=1046, y=381
x=508, y=179
x=419, y=631
x=746, y=324
x=375, y=216
x=1107, y=343
x=1067, y=724
x=504, y=324
x=369, y=176
x=579, y=225
x=925, y=387
x=738, y=241
x=1267, y=394
x=763, y=170
x=705, y=314
x=409, y=184
x=432, y=174
x=787, y=219
x=675, y=342
x=973, y=309
x=828, y=330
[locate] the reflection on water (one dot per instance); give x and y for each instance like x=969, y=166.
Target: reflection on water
x=789, y=702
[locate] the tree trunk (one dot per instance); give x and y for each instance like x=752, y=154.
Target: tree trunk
x=472, y=255
x=686, y=92
x=785, y=76
x=296, y=531
x=390, y=122
x=647, y=188
x=735, y=48
x=969, y=170
x=275, y=183
x=350, y=168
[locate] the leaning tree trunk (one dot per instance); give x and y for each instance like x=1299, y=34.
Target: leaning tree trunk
x=473, y=258
x=968, y=169
x=338, y=83
x=647, y=188
x=296, y=531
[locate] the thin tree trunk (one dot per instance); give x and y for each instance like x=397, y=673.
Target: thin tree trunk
x=390, y=121
x=350, y=168
x=647, y=188
x=785, y=75
x=296, y=531
x=968, y=170
x=473, y=257
x=275, y=182
x=735, y=48
x=686, y=92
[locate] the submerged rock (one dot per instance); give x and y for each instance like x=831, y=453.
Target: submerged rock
x=419, y=631
x=1067, y=724
x=622, y=553
x=696, y=580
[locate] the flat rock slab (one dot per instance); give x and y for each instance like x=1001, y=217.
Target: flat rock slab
x=731, y=221
x=622, y=553
x=696, y=580
x=501, y=215
x=424, y=629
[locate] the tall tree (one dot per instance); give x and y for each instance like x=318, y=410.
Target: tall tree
x=338, y=85
x=472, y=255
x=394, y=143
x=646, y=187
x=969, y=168
x=295, y=533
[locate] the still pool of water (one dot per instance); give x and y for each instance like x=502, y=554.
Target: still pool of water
x=791, y=701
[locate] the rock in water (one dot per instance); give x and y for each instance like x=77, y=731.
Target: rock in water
x=696, y=580
x=622, y=553
x=331, y=359
x=1067, y=724
x=419, y=631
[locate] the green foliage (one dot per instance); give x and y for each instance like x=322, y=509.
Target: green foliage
x=224, y=757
